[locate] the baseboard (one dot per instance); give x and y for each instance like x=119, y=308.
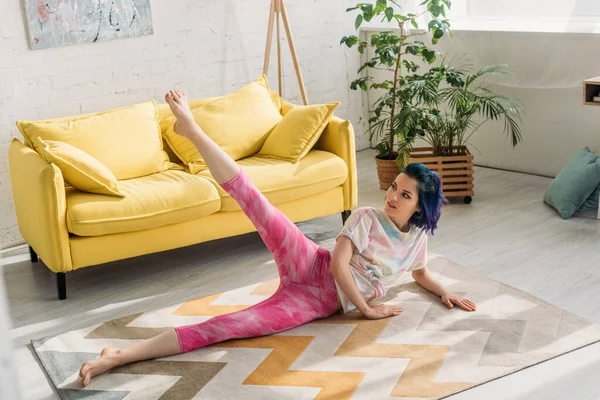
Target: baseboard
x=14, y=254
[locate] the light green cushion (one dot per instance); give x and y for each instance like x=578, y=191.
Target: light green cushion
x=592, y=202
x=574, y=184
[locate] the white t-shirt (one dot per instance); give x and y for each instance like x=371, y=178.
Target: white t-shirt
x=382, y=253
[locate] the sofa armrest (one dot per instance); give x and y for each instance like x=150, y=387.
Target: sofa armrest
x=338, y=138
x=41, y=206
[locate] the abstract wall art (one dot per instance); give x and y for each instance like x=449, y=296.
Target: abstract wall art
x=54, y=23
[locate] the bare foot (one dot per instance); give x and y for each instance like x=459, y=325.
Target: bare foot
x=92, y=368
x=177, y=100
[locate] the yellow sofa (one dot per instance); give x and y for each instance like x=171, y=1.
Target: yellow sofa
x=70, y=229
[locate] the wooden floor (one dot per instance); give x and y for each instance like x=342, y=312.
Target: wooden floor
x=506, y=233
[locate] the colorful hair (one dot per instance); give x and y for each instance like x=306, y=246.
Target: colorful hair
x=431, y=198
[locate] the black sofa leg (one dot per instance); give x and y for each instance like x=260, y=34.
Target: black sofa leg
x=33, y=255
x=61, y=285
x=345, y=215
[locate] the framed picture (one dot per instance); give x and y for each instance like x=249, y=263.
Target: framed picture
x=54, y=23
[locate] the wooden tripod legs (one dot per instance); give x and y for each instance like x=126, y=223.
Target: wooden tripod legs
x=277, y=8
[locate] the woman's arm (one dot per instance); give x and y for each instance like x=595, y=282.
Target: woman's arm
x=424, y=278
x=340, y=269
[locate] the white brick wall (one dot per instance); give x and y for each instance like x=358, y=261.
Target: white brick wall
x=207, y=48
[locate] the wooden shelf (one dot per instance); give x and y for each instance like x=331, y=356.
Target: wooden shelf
x=591, y=88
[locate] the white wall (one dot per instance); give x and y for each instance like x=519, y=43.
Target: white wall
x=526, y=16
x=207, y=48
x=548, y=71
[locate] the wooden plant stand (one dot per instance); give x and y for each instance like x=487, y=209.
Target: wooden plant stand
x=455, y=172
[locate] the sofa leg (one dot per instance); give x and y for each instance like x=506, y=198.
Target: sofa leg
x=345, y=215
x=61, y=285
x=33, y=255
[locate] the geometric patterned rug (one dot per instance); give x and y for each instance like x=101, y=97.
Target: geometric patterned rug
x=427, y=352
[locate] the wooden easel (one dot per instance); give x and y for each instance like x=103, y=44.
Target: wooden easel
x=277, y=8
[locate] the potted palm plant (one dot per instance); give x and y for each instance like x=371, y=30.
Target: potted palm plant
x=444, y=106
x=398, y=52
x=459, y=105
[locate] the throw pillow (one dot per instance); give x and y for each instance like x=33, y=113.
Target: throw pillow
x=574, y=184
x=79, y=169
x=297, y=132
x=592, y=202
x=126, y=140
x=239, y=123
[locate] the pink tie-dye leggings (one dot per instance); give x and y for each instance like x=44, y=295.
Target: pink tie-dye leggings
x=307, y=290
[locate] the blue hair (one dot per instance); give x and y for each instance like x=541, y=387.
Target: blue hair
x=429, y=188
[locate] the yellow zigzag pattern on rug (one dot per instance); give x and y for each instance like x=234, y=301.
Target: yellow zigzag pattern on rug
x=416, y=381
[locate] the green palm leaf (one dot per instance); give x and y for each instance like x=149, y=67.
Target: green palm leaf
x=488, y=70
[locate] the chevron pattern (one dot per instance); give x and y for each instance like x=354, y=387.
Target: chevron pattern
x=418, y=379
x=428, y=352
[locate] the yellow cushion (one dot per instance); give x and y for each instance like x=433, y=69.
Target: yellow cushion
x=281, y=181
x=298, y=131
x=87, y=251
x=79, y=169
x=126, y=140
x=152, y=201
x=165, y=113
x=286, y=107
x=239, y=123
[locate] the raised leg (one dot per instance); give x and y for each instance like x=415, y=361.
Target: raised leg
x=345, y=215
x=293, y=252
x=222, y=167
x=61, y=285
x=33, y=255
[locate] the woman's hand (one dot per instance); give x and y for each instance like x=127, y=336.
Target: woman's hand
x=423, y=277
x=451, y=299
x=380, y=311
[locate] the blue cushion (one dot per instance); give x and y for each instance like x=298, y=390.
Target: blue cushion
x=574, y=184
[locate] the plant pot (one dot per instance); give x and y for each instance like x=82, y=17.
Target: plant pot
x=455, y=172
x=387, y=171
